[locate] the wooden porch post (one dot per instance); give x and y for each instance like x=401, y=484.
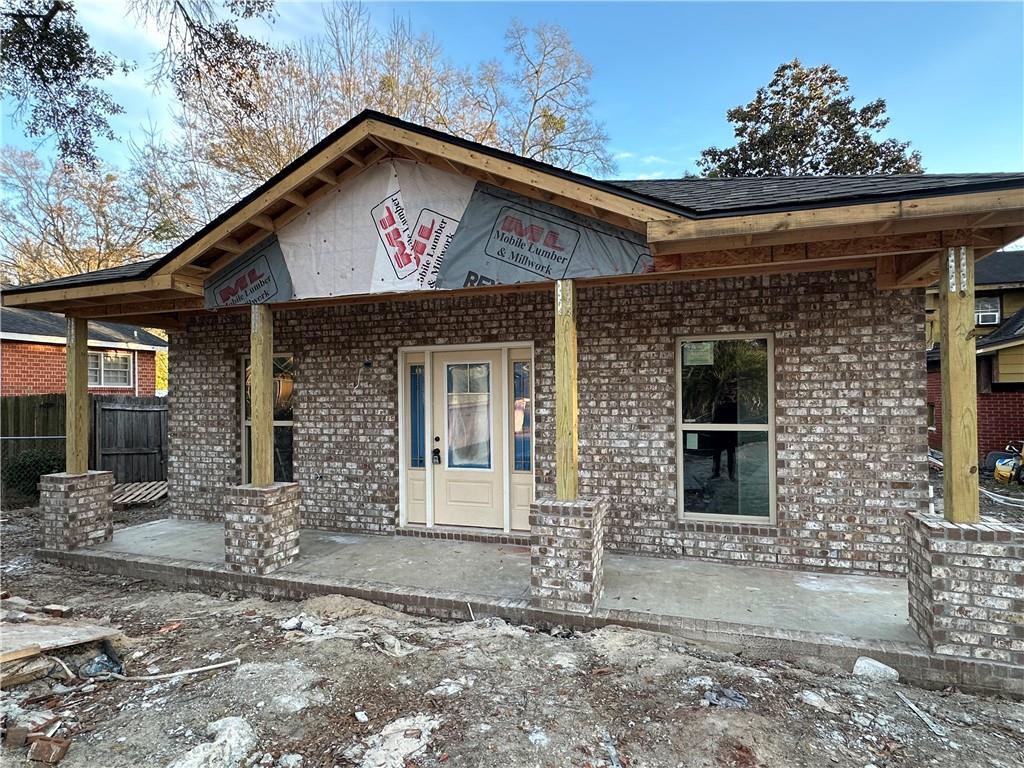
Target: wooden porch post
x=959, y=386
x=261, y=398
x=76, y=414
x=567, y=471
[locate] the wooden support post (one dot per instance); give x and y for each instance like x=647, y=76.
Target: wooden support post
x=567, y=470
x=76, y=419
x=261, y=395
x=959, y=386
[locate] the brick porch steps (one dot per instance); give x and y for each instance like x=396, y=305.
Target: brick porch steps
x=915, y=663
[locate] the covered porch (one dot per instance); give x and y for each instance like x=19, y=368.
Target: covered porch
x=824, y=286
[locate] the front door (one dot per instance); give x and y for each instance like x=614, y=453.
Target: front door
x=467, y=451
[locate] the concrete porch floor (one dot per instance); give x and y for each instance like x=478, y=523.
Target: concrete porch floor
x=862, y=607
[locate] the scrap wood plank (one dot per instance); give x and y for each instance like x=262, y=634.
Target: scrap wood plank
x=130, y=494
x=24, y=652
x=49, y=636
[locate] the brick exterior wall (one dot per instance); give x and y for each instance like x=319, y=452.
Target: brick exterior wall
x=850, y=409
x=261, y=527
x=76, y=510
x=567, y=554
x=966, y=587
x=40, y=369
x=1000, y=415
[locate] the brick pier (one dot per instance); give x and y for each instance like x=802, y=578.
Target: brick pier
x=261, y=527
x=567, y=554
x=76, y=509
x=966, y=586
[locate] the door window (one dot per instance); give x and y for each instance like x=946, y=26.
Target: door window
x=469, y=415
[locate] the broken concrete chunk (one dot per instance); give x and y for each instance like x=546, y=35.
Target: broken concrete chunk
x=871, y=669
x=233, y=739
x=396, y=743
x=291, y=760
x=817, y=701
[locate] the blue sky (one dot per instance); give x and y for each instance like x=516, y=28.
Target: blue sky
x=665, y=73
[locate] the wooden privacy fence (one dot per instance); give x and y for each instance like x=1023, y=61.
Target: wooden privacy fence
x=128, y=433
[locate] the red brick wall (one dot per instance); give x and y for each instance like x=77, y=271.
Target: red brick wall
x=38, y=369
x=1000, y=416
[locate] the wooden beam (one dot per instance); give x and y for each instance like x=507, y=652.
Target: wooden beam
x=296, y=198
x=917, y=269
x=671, y=229
x=514, y=171
x=230, y=245
x=263, y=221
x=261, y=398
x=959, y=386
x=727, y=235
x=76, y=416
x=567, y=470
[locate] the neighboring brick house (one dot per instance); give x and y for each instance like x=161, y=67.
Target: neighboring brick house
x=122, y=358
x=999, y=316
x=743, y=379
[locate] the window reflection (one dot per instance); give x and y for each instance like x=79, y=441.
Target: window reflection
x=726, y=473
x=725, y=381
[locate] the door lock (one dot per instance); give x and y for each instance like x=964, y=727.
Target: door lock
x=435, y=456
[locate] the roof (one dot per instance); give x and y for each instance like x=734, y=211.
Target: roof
x=1009, y=332
x=691, y=198
x=749, y=194
x=1000, y=268
x=121, y=272
x=49, y=325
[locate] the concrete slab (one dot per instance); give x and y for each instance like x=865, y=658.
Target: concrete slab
x=856, y=606
x=493, y=570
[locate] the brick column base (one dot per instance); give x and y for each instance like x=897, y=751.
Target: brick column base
x=76, y=509
x=261, y=527
x=966, y=587
x=567, y=554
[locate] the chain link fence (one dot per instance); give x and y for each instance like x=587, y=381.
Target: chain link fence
x=22, y=461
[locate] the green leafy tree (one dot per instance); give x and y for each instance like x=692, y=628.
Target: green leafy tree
x=52, y=72
x=804, y=122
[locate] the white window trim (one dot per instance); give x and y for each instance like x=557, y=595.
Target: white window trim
x=996, y=314
x=103, y=384
x=244, y=422
x=681, y=513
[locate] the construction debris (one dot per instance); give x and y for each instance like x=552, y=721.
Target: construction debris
x=871, y=669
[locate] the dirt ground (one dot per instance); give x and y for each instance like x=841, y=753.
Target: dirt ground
x=338, y=682
x=989, y=507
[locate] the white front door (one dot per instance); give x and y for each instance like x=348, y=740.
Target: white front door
x=468, y=438
x=467, y=454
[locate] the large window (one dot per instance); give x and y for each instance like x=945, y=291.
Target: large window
x=284, y=389
x=726, y=432
x=986, y=310
x=110, y=369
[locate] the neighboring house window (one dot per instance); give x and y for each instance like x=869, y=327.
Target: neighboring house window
x=110, y=369
x=931, y=415
x=726, y=431
x=284, y=389
x=986, y=310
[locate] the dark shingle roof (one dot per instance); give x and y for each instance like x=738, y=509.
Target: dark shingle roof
x=33, y=323
x=1011, y=329
x=999, y=268
x=122, y=272
x=691, y=198
x=708, y=197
